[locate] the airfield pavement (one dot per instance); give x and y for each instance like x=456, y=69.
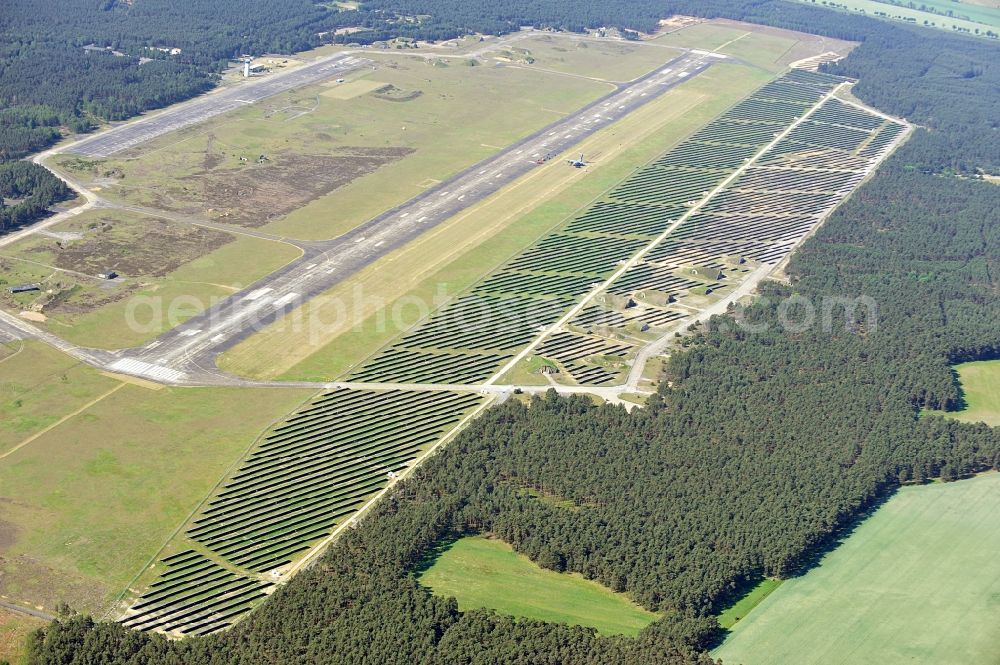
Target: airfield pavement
x=187, y=353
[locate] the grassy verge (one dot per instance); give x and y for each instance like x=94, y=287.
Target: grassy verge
x=528, y=372
x=38, y=387
x=767, y=48
x=482, y=572
x=919, y=581
x=610, y=60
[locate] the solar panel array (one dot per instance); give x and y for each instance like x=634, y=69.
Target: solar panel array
x=759, y=218
x=733, y=196
x=304, y=478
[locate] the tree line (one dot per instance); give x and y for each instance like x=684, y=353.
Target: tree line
x=26, y=192
x=129, y=67
x=763, y=448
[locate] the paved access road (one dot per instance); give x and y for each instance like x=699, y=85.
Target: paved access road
x=212, y=104
x=188, y=352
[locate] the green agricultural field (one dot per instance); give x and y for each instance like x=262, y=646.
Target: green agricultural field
x=85, y=505
x=176, y=270
x=981, y=385
x=969, y=18
x=917, y=582
x=483, y=572
x=977, y=13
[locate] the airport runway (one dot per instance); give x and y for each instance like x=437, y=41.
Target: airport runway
x=212, y=104
x=188, y=352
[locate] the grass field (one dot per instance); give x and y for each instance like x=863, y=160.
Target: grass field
x=177, y=268
x=87, y=503
x=710, y=36
x=482, y=572
x=186, y=291
x=464, y=249
x=14, y=629
x=528, y=372
x=965, y=17
x=918, y=582
x=981, y=385
x=38, y=387
x=607, y=60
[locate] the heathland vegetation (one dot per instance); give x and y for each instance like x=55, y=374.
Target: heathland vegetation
x=764, y=447
x=168, y=271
